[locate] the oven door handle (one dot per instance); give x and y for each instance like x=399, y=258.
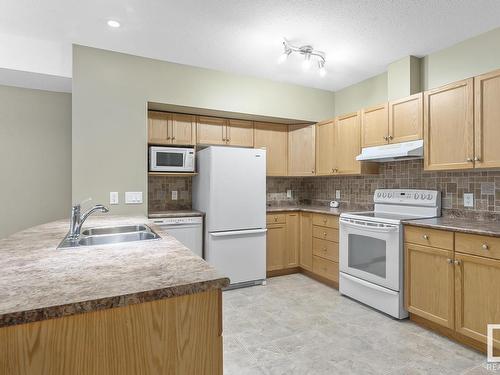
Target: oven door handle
x=369, y=285
x=385, y=229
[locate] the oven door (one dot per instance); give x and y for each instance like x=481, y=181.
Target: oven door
x=371, y=251
x=170, y=159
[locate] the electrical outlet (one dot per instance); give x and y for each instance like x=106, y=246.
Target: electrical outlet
x=133, y=197
x=468, y=200
x=289, y=193
x=337, y=194
x=174, y=195
x=113, y=197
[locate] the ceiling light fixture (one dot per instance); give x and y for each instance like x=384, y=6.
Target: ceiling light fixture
x=308, y=52
x=114, y=24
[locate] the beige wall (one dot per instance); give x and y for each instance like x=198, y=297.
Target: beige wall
x=370, y=92
x=403, y=78
x=110, y=95
x=35, y=157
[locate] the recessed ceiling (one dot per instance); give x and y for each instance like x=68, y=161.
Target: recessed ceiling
x=360, y=38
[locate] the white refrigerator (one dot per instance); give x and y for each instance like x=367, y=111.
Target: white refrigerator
x=231, y=189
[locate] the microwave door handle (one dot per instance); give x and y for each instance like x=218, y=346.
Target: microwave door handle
x=370, y=227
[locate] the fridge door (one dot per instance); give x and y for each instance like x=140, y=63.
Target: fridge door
x=239, y=255
x=237, y=198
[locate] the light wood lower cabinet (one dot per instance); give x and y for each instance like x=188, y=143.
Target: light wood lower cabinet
x=283, y=241
x=178, y=335
x=292, y=240
x=306, y=240
x=275, y=247
x=429, y=283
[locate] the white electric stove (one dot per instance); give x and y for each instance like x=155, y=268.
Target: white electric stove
x=371, y=247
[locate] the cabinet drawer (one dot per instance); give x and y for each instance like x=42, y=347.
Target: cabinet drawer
x=474, y=244
x=326, y=249
x=326, y=268
x=324, y=233
x=276, y=218
x=429, y=237
x=330, y=221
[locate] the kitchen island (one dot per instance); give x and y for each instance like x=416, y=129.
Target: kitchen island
x=130, y=308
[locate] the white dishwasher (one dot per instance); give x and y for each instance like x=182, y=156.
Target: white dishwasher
x=186, y=229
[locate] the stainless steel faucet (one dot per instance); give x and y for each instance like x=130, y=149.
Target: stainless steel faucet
x=77, y=219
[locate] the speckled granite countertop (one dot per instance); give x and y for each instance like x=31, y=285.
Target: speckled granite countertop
x=316, y=209
x=38, y=281
x=174, y=213
x=459, y=224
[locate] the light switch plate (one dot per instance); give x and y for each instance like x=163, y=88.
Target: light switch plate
x=174, y=195
x=113, y=197
x=133, y=197
x=337, y=194
x=468, y=199
x=289, y=193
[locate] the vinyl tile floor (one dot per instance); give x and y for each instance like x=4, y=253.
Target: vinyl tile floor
x=295, y=325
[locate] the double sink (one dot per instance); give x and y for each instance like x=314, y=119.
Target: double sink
x=110, y=235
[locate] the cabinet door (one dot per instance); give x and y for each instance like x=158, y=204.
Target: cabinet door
x=273, y=138
x=183, y=129
x=324, y=148
x=449, y=126
x=347, y=144
x=477, y=296
x=301, y=150
x=406, y=119
x=240, y=133
x=487, y=120
x=211, y=130
x=306, y=240
x=292, y=239
x=429, y=283
x=158, y=128
x=276, y=246
x=374, y=126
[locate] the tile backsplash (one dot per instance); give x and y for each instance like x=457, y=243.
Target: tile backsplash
x=485, y=185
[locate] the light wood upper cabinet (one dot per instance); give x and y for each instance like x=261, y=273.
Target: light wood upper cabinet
x=487, y=120
x=324, y=148
x=449, y=126
x=406, y=119
x=239, y=133
x=183, y=129
x=276, y=241
x=429, y=279
x=374, y=126
x=306, y=240
x=347, y=144
x=273, y=138
x=301, y=150
x=292, y=240
x=158, y=127
x=477, y=296
x=211, y=130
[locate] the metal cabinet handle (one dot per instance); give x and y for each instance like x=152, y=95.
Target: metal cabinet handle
x=485, y=246
x=457, y=262
x=470, y=159
x=386, y=137
x=391, y=137
x=425, y=237
x=173, y=138
x=477, y=158
x=324, y=234
x=449, y=261
x=333, y=170
x=312, y=171
x=275, y=218
x=169, y=138
x=325, y=220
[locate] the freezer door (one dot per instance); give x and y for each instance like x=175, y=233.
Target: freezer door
x=237, y=189
x=239, y=255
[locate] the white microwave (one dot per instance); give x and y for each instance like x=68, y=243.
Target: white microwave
x=171, y=159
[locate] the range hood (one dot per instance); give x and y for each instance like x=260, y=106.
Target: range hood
x=393, y=152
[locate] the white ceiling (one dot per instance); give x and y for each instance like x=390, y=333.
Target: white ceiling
x=360, y=38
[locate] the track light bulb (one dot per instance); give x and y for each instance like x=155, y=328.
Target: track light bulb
x=306, y=64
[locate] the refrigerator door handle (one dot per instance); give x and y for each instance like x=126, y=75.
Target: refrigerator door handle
x=237, y=232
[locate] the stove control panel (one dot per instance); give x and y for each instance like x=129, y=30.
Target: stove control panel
x=412, y=197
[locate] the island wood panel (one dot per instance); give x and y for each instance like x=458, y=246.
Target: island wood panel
x=449, y=126
x=324, y=148
x=301, y=150
x=179, y=335
x=274, y=139
x=306, y=240
x=429, y=283
x=406, y=119
x=487, y=120
x=374, y=126
x=240, y=133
